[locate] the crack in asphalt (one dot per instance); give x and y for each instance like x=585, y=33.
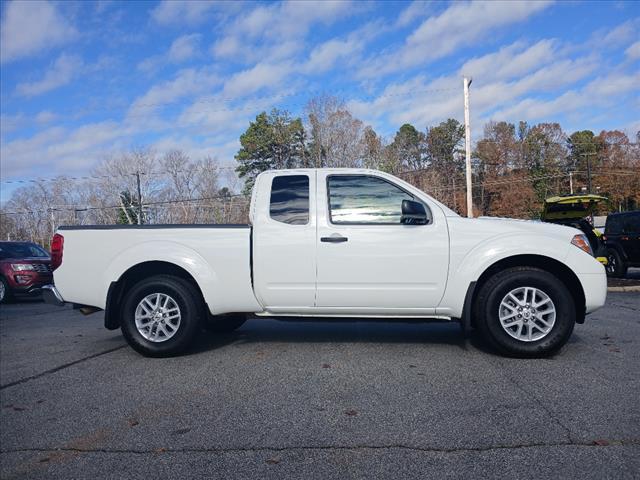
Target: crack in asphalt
x=529, y=394
x=594, y=443
x=58, y=368
x=625, y=306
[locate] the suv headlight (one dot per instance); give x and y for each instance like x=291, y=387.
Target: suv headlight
x=582, y=243
x=21, y=267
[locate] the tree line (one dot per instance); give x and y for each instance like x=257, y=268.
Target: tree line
x=515, y=167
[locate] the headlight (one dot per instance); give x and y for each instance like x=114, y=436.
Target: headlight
x=582, y=243
x=21, y=267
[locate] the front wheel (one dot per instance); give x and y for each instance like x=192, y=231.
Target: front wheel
x=525, y=312
x=161, y=315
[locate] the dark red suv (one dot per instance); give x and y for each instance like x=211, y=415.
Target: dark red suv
x=24, y=268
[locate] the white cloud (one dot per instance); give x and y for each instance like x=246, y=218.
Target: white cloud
x=459, y=25
x=59, y=150
x=272, y=32
x=415, y=10
x=620, y=35
x=187, y=82
x=291, y=19
x=633, y=52
x=31, y=27
x=182, y=49
x=61, y=72
x=510, y=61
x=262, y=75
x=504, y=78
x=191, y=12
x=45, y=116
x=599, y=92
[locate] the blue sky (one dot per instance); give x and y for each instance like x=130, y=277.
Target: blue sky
x=83, y=80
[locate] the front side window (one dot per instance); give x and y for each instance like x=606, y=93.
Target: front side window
x=290, y=199
x=364, y=199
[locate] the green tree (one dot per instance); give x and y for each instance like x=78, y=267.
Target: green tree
x=128, y=212
x=445, y=154
x=374, y=154
x=408, y=149
x=444, y=144
x=272, y=141
x=544, y=156
x=583, y=144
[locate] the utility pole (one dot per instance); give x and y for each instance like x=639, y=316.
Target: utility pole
x=467, y=145
x=571, y=182
x=588, y=154
x=139, y=199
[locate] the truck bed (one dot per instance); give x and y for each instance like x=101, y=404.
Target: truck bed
x=218, y=255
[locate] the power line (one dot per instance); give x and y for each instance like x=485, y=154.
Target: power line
x=238, y=195
x=252, y=105
x=231, y=167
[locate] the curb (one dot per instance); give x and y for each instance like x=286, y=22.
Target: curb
x=633, y=288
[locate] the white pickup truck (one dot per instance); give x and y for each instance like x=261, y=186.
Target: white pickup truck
x=333, y=243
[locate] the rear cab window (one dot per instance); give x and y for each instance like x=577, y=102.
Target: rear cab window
x=289, y=201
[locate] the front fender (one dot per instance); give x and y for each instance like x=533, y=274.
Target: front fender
x=467, y=267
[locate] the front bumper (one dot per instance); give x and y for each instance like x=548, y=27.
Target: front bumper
x=28, y=282
x=51, y=295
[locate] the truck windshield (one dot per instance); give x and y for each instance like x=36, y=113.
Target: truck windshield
x=22, y=250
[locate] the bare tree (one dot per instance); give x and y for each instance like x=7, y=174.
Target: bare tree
x=337, y=138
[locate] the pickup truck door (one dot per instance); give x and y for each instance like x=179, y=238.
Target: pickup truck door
x=284, y=241
x=367, y=260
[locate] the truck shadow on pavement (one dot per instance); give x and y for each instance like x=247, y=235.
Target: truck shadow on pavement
x=256, y=331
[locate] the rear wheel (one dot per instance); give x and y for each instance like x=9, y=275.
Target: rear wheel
x=615, y=264
x=525, y=312
x=161, y=315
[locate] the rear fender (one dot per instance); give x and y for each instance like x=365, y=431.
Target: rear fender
x=170, y=252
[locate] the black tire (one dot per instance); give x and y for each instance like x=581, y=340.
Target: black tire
x=616, y=266
x=487, y=307
x=191, y=306
x=225, y=323
x=6, y=296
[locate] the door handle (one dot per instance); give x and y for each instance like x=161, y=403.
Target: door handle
x=334, y=239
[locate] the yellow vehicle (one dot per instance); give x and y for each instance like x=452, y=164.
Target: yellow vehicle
x=573, y=211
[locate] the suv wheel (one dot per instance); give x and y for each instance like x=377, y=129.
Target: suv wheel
x=5, y=293
x=615, y=264
x=161, y=316
x=525, y=312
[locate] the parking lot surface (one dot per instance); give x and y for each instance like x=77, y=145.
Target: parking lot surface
x=316, y=400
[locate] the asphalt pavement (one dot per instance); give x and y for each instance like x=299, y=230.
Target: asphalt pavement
x=350, y=399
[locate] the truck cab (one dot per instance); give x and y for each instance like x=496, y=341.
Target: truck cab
x=338, y=242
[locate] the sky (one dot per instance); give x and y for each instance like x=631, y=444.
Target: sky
x=84, y=80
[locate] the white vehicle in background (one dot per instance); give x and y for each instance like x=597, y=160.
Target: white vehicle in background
x=333, y=243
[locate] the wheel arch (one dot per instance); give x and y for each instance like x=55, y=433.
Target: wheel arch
x=117, y=289
x=551, y=265
x=618, y=248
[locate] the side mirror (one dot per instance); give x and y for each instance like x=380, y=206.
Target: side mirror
x=413, y=213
